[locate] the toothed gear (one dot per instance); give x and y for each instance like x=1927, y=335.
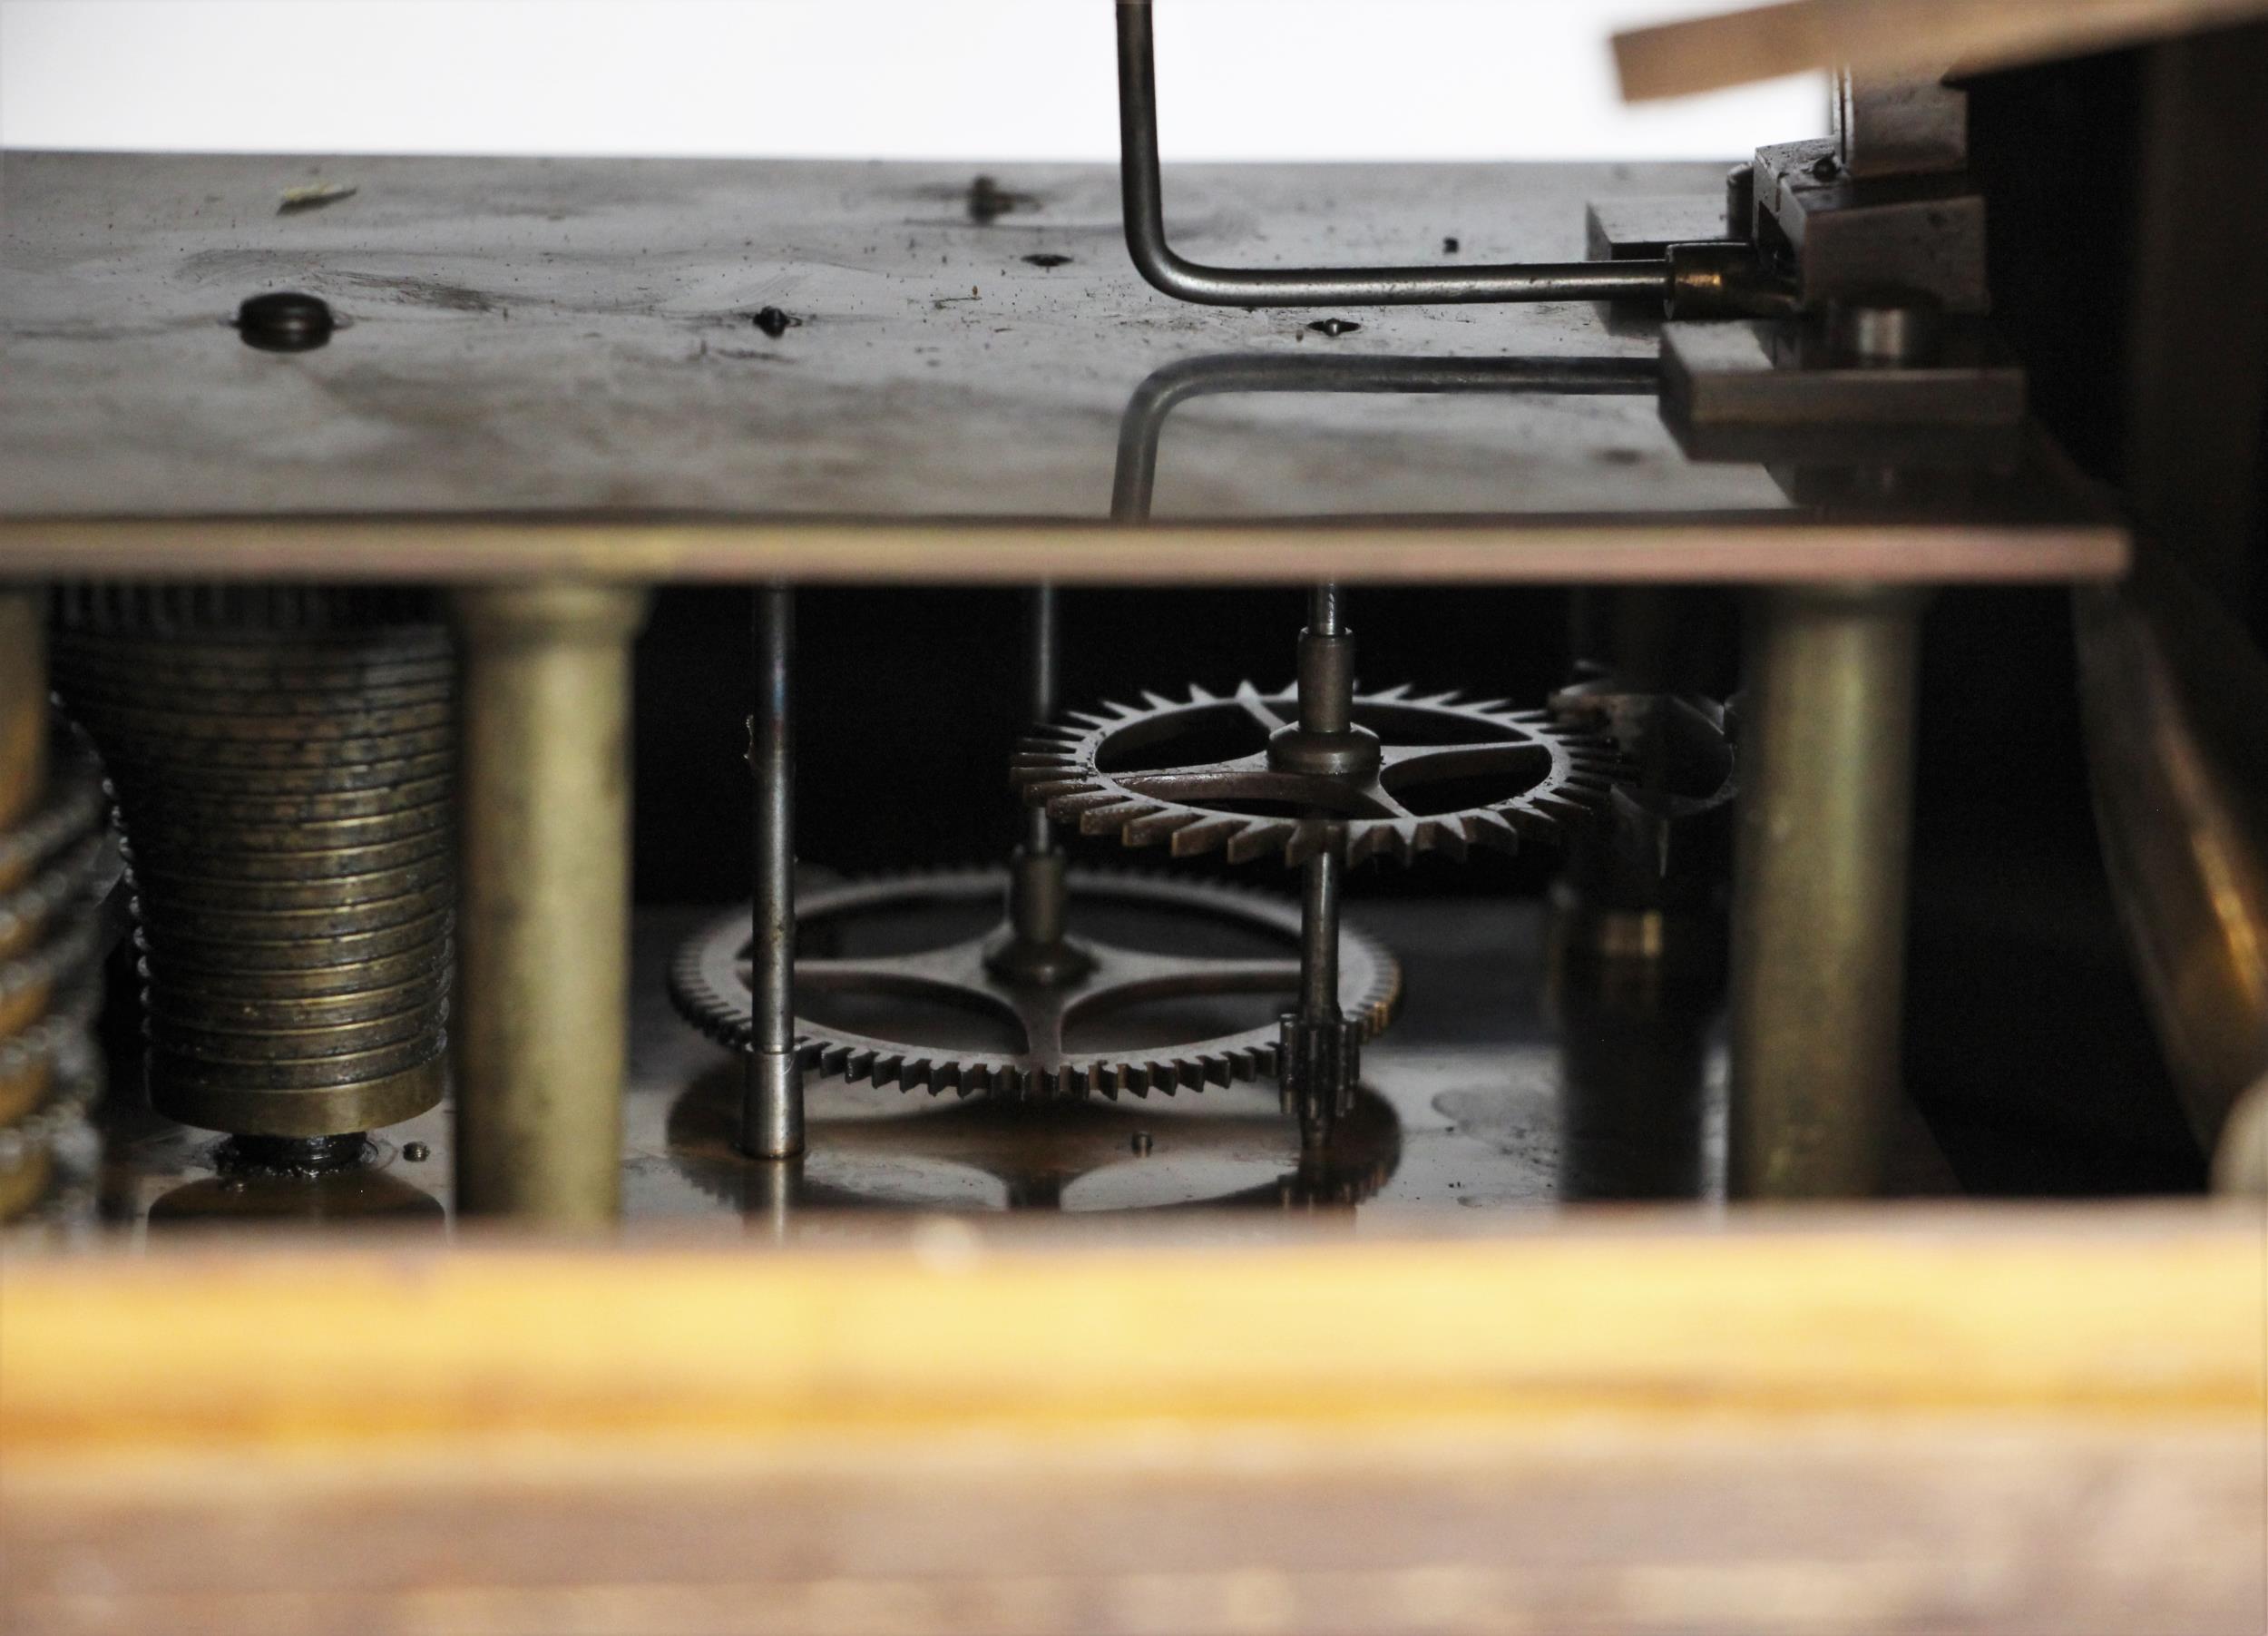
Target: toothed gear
x=1321, y=1062
x=710, y=984
x=1110, y=772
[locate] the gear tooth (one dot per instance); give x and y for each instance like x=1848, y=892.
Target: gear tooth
x=1105, y=1082
x=1453, y=838
x=1158, y=824
x=1104, y=820
x=1158, y=701
x=1527, y=822
x=1204, y=836
x=1049, y=790
x=1074, y=801
x=1257, y=836
x=1248, y=694
x=1220, y=1070
x=1123, y=711
x=1089, y=719
x=1199, y=695
x=1392, y=694
x=1490, y=707
x=1492, y=828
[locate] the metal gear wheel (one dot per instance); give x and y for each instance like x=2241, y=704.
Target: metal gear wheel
x=1198, y=774
x=710, y=984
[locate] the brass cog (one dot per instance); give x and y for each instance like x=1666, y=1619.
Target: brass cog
x=1451, y=775
x=710, y=984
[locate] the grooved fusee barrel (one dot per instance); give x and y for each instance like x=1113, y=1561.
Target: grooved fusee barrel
x=284, y=761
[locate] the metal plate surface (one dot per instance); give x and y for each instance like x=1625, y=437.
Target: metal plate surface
x=571, y=347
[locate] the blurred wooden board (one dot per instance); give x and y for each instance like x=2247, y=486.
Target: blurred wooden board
x=1764, y=42
x=554, y=366
x=1943, y=1420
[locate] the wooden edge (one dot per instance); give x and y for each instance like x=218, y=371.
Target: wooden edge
x=1630, y=550
x=1738, y=48
x=2109, y=1314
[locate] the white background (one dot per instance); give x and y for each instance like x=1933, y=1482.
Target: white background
x=975, y=79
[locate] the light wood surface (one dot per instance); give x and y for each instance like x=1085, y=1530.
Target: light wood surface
x=1762, y=43
x=1972, y=1419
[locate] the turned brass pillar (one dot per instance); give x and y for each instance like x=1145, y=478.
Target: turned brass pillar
x=1819, y=901
x=543, y=927
x=22, y=701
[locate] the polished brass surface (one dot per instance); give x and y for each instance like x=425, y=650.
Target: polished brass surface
x=22, y=703
x=2174, y=696
x=1819, y=901
x=543, y=958
x=282, y=757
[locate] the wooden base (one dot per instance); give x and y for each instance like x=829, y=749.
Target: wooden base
x=1940, y=1420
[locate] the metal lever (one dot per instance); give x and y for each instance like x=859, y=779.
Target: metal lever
x=1321, y=286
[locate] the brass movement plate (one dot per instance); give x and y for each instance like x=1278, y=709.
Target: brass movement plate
x=548, y=367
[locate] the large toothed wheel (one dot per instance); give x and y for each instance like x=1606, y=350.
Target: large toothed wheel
x=1199, y=775
x=889, y=973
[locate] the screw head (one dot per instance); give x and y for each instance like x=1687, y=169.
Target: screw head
x=416, y=1152
x=1142, y=1144
x=284, y=320
x=1334, y=328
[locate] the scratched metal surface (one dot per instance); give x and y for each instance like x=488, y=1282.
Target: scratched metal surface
x=547, y=337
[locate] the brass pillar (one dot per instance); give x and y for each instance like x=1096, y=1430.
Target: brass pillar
x=543, y=929
x=22, y=701
x=1819, y=902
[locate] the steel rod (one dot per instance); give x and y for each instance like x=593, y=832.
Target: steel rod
x=1044, y=643
x=1319, y=936
x=543, y=927
x=1819, y=905
x=1134, y=479
x=1145, y=211
x=772, y=1116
